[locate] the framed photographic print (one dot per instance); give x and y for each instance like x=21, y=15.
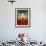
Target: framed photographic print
x=22, y=17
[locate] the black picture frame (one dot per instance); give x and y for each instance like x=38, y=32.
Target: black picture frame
x=22, y=13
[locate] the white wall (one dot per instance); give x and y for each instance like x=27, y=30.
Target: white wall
x=8, y=31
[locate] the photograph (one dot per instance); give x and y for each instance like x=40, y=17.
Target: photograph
x=22, y=22
x=22, y=17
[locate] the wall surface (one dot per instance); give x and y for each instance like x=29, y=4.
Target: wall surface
x=8, y=31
